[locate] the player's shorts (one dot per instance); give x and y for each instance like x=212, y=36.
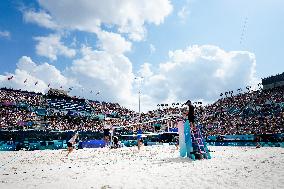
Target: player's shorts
x=69, y=144
x=106, y=132
x=191, y=119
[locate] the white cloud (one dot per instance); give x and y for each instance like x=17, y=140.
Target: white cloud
x=152, y=48
x=113, y=42
x=41, y=18
x=184, y=12
x=28, y=70
x=145, y=70
x=5, y=34
x=51, y=46
x=106, y=72
x=199, y=72
x=129, y=16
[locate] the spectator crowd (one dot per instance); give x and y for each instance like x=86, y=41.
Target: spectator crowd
x=253, y=112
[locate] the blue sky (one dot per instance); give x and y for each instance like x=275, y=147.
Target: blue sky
x=220, y=22
x=254, y=28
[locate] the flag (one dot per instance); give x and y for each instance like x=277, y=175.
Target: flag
x=48, y=85
x=36, y=83
x=98, y=93
x=25, y=80
x=9, y=78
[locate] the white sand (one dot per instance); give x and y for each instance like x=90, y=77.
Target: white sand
x=152, y=167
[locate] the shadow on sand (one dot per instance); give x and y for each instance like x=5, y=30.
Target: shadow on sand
x=174, y=160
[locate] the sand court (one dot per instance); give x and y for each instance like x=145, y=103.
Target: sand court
x=152, y=167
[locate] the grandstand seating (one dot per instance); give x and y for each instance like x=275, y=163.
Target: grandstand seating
x=250, y=113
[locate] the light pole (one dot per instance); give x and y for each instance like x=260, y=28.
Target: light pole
x=139, y=80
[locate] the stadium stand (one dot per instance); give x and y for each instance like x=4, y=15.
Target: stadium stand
x=234, y=117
